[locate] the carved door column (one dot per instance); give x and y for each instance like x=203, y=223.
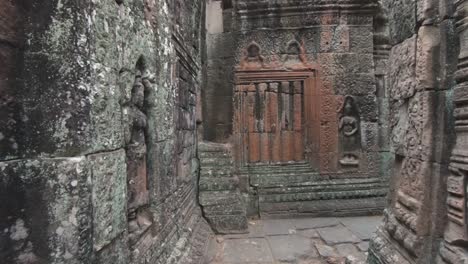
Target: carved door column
x=454, y=249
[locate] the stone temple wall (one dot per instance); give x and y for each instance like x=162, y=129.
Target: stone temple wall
x=425, y=221
x=98, y=131
x=298, y=90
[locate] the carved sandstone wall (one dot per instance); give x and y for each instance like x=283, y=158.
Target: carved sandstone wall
x=422, y=75
x=298, y=88
x=98, y=131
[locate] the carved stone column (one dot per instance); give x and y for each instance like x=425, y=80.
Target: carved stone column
x=419, y=83
x=454, y=248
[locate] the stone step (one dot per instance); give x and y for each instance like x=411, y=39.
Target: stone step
x=279, y=180
x=228, y=224
x=322, y=188
x=233, y=209
x=286, y=164
x=320, y=208
x=293, y=168
x=281, y=172
x=216, y=161
x=307, y=179
x=222, y=198
x=218, y=184
x=321, y=195
x=214, y=154
x=213, y=147
x=216, y=172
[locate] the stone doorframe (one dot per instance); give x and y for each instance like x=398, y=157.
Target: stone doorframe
x=301, y=142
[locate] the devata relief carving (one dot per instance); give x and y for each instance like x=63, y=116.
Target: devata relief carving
x=137, y=175
x=350, y=136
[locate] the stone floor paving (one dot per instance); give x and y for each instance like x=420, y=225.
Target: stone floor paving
x=331, y=240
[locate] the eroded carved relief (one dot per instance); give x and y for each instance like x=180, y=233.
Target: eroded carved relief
x=457, y=203
x=350, y=135
x=252, y=57
x=295, y=53
x=137, y=177
x=454, y=249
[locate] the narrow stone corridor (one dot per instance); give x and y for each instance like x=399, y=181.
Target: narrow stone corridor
x=234, y=131
x=304, y=240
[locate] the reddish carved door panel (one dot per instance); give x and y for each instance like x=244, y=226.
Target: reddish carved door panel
x=271, y=119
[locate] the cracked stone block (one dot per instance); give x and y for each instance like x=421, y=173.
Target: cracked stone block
x=362, y=227
x=363, y=246
x=337, y=235
x=254, y=250
x=309, y=233
x=50, y=197
x=256, y=229
x=310, y=223
x=348, y=250
x=109, y=196
x=326, y=251
x=116, y=253
x=278, y=227
x=292, y=247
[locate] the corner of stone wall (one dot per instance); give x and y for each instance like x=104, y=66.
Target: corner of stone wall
x=421, y=80
x=63, y=178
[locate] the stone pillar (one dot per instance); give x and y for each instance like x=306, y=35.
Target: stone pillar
x=421, y=67
x=453, y=250
x=381, y=55
x=218, y=93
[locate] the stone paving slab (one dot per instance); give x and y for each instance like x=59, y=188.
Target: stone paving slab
x=274, y=227
x=363, y=246
x=309, y=233
x=326, y=251
x=251, y=250
x=362, y=227
x=349, y=250
x=288, y=248
x=312, y=223
x=337, y=234
x=299, y=241
x=256, y=228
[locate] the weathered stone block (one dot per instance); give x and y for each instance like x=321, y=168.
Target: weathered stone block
x=370, y=136
x=368, y=108
x=51, y=211
x=361, y=39
x=350, y=63
x=427, y=11
x=334, y=39
x=218, y=198
x=117, y=252
x=50, y=94
x=328, y=162
x=220, y=45
x=427, y=58
x=228, y=224
x=402, y=75
x=354, y=84
x=109, y=176
x=402, y=19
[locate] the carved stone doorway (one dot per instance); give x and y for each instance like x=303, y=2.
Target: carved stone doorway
x=276, y=119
